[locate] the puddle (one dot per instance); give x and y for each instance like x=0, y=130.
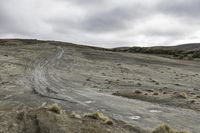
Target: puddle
x=135, y=117
x=155, y=111
x=101, y=110
x=89, y=102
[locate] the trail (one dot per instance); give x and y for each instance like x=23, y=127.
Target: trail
x=44, y=81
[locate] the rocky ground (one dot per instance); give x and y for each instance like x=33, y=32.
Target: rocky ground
x=142, y=90
x=55, y=120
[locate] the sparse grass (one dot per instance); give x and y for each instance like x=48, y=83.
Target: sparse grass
x=197, y=96
x=20, y=115
x=166, y=129
x=55, y=108
x=164, y=92
x=88, y=79
x=100, y=116
x=182, y=95
x=192, y=101
x=75, y=115
x=150, y=90
x=173, y=53
x=177, y=84
x=138, y=92
x=155, y=93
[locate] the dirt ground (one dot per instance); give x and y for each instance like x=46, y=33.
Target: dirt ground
x=121, y=85
x=43, y=120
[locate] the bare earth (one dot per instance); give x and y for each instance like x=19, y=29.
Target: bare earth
x=143, y=90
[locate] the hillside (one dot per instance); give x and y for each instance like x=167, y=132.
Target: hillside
x=184, y=47
x=185, y=51
x=94, y=90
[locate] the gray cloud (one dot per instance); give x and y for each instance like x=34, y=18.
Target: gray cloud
x=186, y=8
x=87, y=2
x=101, y=22
x=6, y=22
x=116, y=19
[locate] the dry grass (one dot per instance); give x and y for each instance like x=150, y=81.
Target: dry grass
x=55, y=108
x=75, y=115
x=155, y=93
x=182, y=95
x=99, y=116
x=164, y=92
x=197, y=96
x=192, y=101
x=166, y=129
x=138, y=92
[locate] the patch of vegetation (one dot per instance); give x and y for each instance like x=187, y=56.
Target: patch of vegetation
x=76, y=115
x=192, y=101
x=99, y=116
x=138, y=92
x=166, y=129
x=155, y=93
x=150, y=90
x=197, y=96
x=164, y=92
x=182, y=95
x=20, y=41
x=55, y=108
x=179, y=54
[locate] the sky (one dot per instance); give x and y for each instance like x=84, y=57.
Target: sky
x=103, y=23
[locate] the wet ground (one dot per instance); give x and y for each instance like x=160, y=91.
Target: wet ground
x=148, y=90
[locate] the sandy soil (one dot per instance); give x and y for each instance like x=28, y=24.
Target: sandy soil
x=143, y=90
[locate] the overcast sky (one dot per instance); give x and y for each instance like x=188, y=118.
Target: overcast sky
x=105, y=23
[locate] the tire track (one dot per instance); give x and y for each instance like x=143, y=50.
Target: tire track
x=44, y=81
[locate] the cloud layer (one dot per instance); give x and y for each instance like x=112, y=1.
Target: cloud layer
x=101, y=22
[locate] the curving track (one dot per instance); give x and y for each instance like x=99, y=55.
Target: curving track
x=44, y=80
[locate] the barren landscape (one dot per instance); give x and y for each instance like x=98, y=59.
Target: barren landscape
x=136, y=89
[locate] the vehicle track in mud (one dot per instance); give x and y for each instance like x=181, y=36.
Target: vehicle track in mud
x=44, y=80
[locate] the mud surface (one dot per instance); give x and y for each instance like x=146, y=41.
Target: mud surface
x=159, y=90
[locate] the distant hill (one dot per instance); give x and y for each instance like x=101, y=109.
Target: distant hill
x=184, y=51
x=184, y=47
